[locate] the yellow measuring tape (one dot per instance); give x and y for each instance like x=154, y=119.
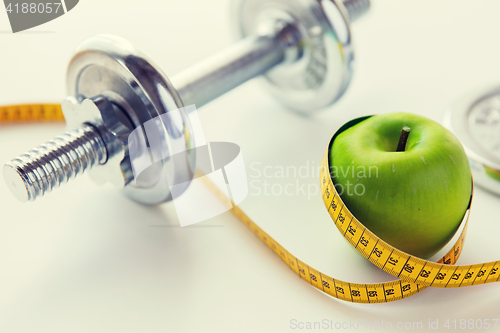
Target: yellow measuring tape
x=31, y=112
x=414, y=274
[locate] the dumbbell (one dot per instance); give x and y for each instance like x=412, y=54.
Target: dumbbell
x=301, y=47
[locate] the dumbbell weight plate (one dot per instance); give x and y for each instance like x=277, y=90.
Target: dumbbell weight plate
x=112, y=67
x=321, y=75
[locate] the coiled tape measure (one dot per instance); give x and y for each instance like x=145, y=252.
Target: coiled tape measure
x=414, y=274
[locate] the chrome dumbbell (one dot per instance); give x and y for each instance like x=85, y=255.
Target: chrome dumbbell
x=302, y=47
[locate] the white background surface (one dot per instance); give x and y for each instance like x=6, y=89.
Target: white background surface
x=85, y=259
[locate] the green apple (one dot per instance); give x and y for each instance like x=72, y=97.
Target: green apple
x=414, y=199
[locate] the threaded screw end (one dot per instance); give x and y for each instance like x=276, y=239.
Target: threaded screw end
x=49, y=165
x=356, y=8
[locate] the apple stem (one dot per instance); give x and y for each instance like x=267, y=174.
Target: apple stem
x=402, y=139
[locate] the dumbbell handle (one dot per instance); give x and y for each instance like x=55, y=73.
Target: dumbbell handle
x=240, y=62
x=244, y=60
